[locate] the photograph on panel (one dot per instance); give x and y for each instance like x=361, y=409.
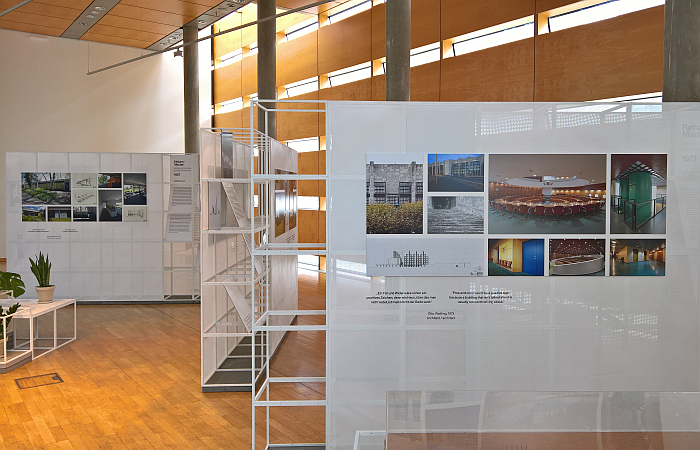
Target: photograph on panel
x=110, y=206
x=83, y=181
x=84, y=214
x=424, y=256
x=134, y=188
x=455, y=173
x=577, y=257
x=135, y=214
x=516, y=257
x=59, y=213
x=638, y=184
x=547, y=194
x=285, y=203
x=637, y=257
x=394, y=193
x=281, y=189
x=87, y=197
x=455, y=215
x=33, y=213
x=109, y=181
x=45, y=188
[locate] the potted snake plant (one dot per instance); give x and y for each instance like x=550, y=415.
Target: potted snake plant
x=41, y=268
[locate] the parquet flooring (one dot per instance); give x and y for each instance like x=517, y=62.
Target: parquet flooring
x=132, y=381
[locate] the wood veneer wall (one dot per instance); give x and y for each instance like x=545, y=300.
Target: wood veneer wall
x=611, y=58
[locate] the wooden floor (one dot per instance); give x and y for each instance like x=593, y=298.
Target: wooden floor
x=132, y=380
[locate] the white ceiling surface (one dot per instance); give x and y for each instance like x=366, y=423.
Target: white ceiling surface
x=588, y=167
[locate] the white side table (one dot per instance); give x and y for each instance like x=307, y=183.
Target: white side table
x=31, y=309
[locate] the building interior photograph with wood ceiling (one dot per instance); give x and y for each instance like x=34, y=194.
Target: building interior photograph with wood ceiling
x=114, y=77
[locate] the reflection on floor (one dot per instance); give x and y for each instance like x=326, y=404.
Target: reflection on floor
x=642, y=268
x=657, y=225
x=496, y=270
x=506, y=223
x=132, y=380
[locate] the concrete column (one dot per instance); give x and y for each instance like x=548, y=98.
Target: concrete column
x=681, y=51
x=191, y=79
x=398, y=50
x=267, y=64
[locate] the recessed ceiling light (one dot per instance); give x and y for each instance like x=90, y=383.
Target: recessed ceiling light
x=90, y=16
x=94, y=12
x=202, y=22
x=100, y=8
x=83, y=24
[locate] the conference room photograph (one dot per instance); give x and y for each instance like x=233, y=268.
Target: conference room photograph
x=547, y=194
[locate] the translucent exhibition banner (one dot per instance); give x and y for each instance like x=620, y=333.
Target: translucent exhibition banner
x=511, y=247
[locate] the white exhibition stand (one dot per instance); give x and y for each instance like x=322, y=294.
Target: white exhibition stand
x=38, y=343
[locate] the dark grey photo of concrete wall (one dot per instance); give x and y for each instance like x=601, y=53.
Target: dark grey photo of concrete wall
x=456, y=215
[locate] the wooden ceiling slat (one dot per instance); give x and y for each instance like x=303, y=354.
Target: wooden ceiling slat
x=33, y=19
x=173, y=6
x=77, y=4
x=150, y=15
x=50, y=11
x=125, y=33
x=135, y=24
x=116, y=40
x=30, y=27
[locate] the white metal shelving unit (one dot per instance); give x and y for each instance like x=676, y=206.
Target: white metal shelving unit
x=244, y=255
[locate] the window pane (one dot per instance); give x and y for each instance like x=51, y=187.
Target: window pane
x=494, y=39
x=599, y=12
x=333, y=18
x=304, y=145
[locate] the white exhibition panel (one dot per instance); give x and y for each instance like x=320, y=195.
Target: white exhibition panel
x=91, y=261
x=610, y=333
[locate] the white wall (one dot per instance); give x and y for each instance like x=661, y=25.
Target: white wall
x=49, y=103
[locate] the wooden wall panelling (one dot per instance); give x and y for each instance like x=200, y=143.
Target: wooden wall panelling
x=233, y=119
x=249, y=75
x=425, y=26
x=297, y=59
x=227, y=82
x=249, y=13
x=136, y=35
x=226, y=43
x=345, y=43
x=356, y=91
x=546, y=5
x=497, y=74
x=308, y=165
x=298, y=125
x=611, y=58
x=321, y=226
x=460, y=17
x=425, y=84
x=308, y=226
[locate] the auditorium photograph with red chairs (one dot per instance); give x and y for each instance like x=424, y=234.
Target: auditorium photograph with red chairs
x=577, y=257
x=547, y=194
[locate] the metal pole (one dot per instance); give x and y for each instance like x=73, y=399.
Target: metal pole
x=398, y=50
x=681, y=51
x=267, y=65
x=191, y=82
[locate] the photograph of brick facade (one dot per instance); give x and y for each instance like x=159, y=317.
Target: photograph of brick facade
x=394, y=192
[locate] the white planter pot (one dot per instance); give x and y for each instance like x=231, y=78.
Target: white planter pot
x=45, y=294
